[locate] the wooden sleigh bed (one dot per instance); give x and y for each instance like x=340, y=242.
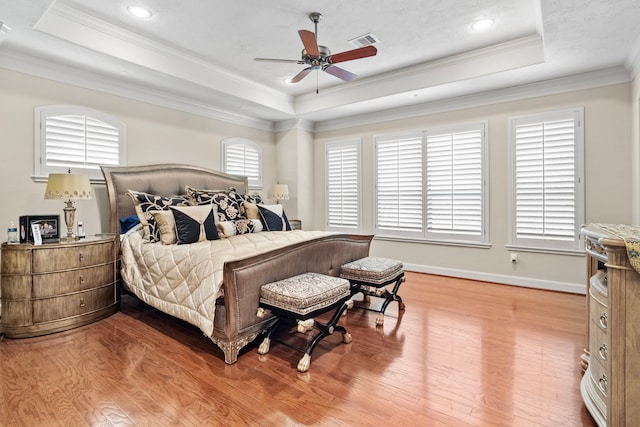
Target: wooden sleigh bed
x=232, y=310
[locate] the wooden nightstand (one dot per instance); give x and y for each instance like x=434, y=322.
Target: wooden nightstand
x=58, y=286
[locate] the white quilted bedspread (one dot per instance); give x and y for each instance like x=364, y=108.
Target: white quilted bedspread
x=185, y=280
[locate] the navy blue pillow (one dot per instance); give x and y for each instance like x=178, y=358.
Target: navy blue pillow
x=188, y=223
x=128, y=222
x=272, y=221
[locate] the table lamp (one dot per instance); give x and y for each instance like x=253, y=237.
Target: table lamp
x=279, y=192
x=68, y=186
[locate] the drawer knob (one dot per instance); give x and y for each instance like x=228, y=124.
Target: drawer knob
x=82, y=304
x=603, y=320
x=81, y=257
x=81, y=280
x=602, y=383
x=603, y=351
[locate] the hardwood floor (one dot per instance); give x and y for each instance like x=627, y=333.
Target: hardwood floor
x=463, y=353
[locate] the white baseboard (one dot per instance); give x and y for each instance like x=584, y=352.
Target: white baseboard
x=574, y=288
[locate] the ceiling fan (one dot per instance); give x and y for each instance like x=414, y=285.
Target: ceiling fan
x=319, y=57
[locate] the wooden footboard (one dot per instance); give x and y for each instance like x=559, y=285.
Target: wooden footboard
x=236, y=323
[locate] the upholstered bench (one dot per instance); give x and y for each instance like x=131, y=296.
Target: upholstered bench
x=370, y=276
x=301, y=298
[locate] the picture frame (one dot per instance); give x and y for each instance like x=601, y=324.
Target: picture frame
x=49, y=226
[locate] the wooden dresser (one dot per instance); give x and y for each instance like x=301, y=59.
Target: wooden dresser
x=610, y=387
x=57, y=286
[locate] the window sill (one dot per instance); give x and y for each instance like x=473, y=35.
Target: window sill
x=468, y=244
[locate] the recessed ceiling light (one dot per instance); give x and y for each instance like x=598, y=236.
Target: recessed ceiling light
x=482, y=24
x=139, y=11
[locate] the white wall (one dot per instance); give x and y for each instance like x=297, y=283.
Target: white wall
x=608, y=156
x=154, y=135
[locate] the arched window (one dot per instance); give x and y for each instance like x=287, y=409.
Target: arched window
x=243, y=157
x=77, y=138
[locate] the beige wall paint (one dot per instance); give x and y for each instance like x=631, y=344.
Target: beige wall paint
x=608, y=157
x=635, y=124
x=295, y=168
x=154, y=135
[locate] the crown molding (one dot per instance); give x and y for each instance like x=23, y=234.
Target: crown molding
x=590, y=80
x=287, y=125
x=47, y=69
x=633, y=60
x=82, y=29
x=510, y=55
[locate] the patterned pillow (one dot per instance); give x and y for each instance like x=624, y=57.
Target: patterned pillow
x=243, y=199
x=239, y=226
x=195, y=223
x=225, y=200
x=273, y=218
x=146, y=203
x=251, y=210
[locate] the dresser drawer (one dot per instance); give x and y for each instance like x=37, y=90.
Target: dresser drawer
x=599, y=378
x=52, y=284
x=598, y=310
x=599, y=344
x=48, y=309
x=65, y=258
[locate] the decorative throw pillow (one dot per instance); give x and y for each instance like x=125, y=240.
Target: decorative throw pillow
x=251, y=210
x=228, y=208
x=239, y=226
x=273, y=218
x=167, y=225
x=255, y=199
x=146, y=203
x=128, y=222
x=194, y=223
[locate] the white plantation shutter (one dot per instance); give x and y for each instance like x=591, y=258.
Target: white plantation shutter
x=243, y=157
x=399, y=185
x=547, y=187
x=455, y=183
x=80, y=141
x=77, y=138
x=343, y=185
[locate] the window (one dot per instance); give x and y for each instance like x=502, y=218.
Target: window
x=243, y=157
x=343, y=185
x=432, y=185
x=399, y=185
x=77, y=138
x=547, y=191
x=455, y=183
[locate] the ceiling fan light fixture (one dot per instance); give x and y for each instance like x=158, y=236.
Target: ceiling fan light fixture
x=139, y=11
x=481, y=24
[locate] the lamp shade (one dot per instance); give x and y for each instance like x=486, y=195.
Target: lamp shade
x=68, y=186
x=279, y=192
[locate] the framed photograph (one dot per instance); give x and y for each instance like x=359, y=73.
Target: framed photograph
x=48, y=225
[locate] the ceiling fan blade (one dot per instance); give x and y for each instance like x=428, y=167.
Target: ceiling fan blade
x=301, y=75
x=287, y=61
x=349, y=55
x=340, y=73
x=310, y=43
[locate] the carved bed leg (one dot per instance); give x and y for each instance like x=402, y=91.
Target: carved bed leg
x=232, y=348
